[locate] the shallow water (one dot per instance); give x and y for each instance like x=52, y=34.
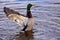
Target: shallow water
x=47, y=20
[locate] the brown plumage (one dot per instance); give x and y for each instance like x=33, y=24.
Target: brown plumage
x=26, y=21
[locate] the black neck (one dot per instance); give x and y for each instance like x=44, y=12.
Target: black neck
x=29, y=15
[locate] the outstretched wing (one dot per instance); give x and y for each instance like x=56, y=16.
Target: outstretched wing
x=15, y=16
x=9, y=11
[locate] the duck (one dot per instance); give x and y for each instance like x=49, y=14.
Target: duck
x=25, y=21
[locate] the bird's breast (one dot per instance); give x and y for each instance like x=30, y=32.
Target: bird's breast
x=30, y=23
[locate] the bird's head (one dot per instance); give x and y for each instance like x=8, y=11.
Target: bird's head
x=29, y=6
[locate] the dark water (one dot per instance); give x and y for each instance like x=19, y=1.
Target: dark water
x=47, y=20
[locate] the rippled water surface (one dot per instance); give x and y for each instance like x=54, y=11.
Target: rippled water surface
x=47, y=20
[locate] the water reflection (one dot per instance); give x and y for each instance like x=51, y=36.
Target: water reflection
x=27, y=35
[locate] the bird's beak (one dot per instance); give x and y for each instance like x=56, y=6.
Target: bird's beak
x=33, y=4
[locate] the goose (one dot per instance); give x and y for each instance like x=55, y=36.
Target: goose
x=25, y=21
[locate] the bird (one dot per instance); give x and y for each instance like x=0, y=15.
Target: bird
x=25, y=21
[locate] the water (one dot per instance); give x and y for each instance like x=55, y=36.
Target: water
x=47, y=20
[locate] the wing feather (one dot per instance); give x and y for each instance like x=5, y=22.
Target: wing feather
x=15, y=16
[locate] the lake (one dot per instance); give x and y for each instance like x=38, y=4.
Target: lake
x=47, y=20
